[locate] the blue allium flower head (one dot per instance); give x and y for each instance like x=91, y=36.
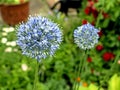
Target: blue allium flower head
x=39, y=37
x=86, y=36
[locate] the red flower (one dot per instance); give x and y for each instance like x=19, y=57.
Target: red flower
x=100, y=33
x=87, y=10
x=99, y=47
x=94, y=12
x=89, y=59
x=84, y=22
x=107, y=56
x=90, y=3
x=105, y=15
x=95, y=1
x=93, y=23
x=119, y=37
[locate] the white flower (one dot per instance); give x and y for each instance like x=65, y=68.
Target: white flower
x=24, y=67
x=8, y=43
x=4, y=34
x=8, y=49
x=11, y=29
x=15, y=50
x=3, y=40
x=6, y=29
x=118, y=61
x=13, y=43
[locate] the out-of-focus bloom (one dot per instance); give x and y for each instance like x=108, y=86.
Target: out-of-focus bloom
x=105, y=15
x=86, y=36
x=95, y=1
x=119, y=37
x=4, y=34
x=84, y=22
x=118, y=61
x=24, y=67
x=3, y=40
x=39, y=37
x=107, y=56
x=87, y=10
x=8, y=29
x=15, y=50
x=94, y=12
x=93, y=23
x=8, y=49
x=99, y=47
x=90, y=3
x=89, y=59
x=100, y=33
x=8, y=43
x=84, y=84
x=13, y=43
x=78, y=79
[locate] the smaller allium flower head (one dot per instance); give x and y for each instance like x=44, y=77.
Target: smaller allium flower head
x=39, y=37
x=86, y=36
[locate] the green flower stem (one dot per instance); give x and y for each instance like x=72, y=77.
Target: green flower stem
x=36, y=75
x=81, y=69
x=74, y=84
x=82, y=65
x=100, y=14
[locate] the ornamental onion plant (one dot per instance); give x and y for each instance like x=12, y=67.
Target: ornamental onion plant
x=85, y=36
x=38, y=38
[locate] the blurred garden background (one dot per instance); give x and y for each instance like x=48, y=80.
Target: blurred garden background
x=59, y=72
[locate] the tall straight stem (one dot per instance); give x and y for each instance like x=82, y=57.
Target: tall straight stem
x=36, y=76
x=81, y=68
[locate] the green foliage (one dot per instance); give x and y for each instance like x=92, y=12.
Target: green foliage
x=12, y=2
x=58, y=72
x=90, y=87
x=114, y=83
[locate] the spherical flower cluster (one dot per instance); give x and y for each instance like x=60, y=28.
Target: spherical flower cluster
x=86, y=36
x=39, y=37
